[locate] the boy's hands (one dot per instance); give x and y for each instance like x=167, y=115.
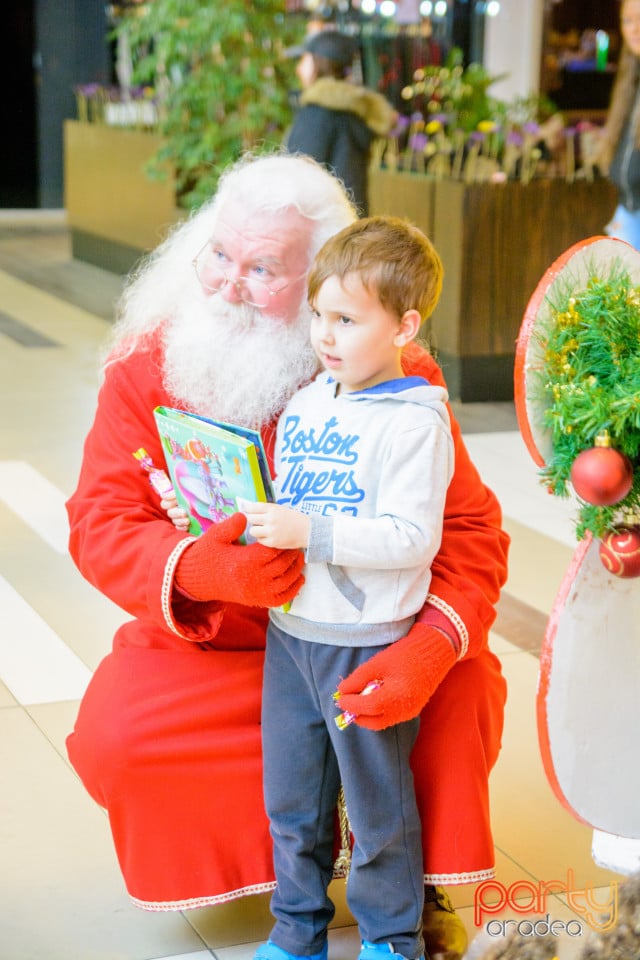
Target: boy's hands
x=269, y=523
x=273, y=525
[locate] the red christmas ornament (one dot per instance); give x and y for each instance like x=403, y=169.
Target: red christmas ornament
x=602, y=476
x=620, y=552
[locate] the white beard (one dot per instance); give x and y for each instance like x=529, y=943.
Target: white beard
x=227, y=361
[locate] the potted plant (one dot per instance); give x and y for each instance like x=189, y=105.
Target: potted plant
x=221, y=82
x=197, y=86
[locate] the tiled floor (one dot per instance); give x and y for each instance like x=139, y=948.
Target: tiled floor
x=61, y=895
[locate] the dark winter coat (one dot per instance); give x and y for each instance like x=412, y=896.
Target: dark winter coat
x=336, y=125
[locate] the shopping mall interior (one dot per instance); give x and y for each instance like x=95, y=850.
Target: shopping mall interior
x=62, y=896
x=62, y=893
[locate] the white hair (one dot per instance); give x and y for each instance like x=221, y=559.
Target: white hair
x=267, y=183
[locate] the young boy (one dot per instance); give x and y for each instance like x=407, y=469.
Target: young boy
x=363, y=459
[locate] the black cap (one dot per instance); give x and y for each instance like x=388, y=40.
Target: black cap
x=330, y=44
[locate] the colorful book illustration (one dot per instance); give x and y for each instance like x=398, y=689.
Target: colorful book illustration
x=214, y=466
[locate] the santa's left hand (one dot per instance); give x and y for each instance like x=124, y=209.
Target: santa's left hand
x=178, y=516
x=408, y=672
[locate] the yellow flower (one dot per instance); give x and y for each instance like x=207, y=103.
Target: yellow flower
x=433, y=126
x=487, y=126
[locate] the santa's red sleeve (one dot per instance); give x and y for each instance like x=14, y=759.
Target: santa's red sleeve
x=120, y=538
x=471, y=565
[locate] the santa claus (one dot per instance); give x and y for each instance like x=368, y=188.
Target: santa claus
x=168, y=733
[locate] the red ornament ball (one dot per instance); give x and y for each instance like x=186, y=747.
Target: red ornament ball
x=602, y=476
x=620, y=552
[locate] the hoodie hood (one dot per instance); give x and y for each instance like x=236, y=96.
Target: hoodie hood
x=415, y=390
x=371, y=107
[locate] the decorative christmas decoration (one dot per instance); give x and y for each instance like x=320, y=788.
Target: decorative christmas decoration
x=620, y=551
x=590, y=383
x=602, y=476
x=577, y=374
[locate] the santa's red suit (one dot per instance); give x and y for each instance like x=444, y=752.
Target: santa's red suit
x=168, y=733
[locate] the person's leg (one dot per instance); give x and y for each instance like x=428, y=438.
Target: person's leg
x=301, y=785
x=385, y=884
x=457, y=746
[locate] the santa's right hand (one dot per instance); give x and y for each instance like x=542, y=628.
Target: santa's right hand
x=216, y=567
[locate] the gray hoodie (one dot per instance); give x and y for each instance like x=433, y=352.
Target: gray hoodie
x=372, y=470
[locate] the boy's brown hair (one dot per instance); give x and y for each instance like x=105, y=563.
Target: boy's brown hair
x=391, y=257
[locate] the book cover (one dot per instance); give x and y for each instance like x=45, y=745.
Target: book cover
x=213, y=465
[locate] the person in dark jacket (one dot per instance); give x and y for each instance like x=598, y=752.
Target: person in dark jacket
x=338, y=120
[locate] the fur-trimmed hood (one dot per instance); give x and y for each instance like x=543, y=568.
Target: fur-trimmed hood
x=371, y=107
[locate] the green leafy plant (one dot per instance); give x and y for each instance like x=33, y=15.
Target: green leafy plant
x=221, y=83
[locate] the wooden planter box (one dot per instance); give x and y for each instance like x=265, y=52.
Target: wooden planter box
x=496, y=242
x=115, y=212
x=410, y=195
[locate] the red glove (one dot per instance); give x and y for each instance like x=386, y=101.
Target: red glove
x=410, y=670
x=213, y=567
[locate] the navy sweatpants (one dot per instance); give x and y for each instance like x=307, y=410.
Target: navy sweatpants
x=306, y=757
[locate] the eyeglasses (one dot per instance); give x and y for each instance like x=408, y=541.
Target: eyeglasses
x=251, y=290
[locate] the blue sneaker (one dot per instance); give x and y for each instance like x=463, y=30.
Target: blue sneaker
x=270, y=951
x=380, y=951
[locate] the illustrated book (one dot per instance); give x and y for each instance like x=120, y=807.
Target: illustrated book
x=213, y=466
